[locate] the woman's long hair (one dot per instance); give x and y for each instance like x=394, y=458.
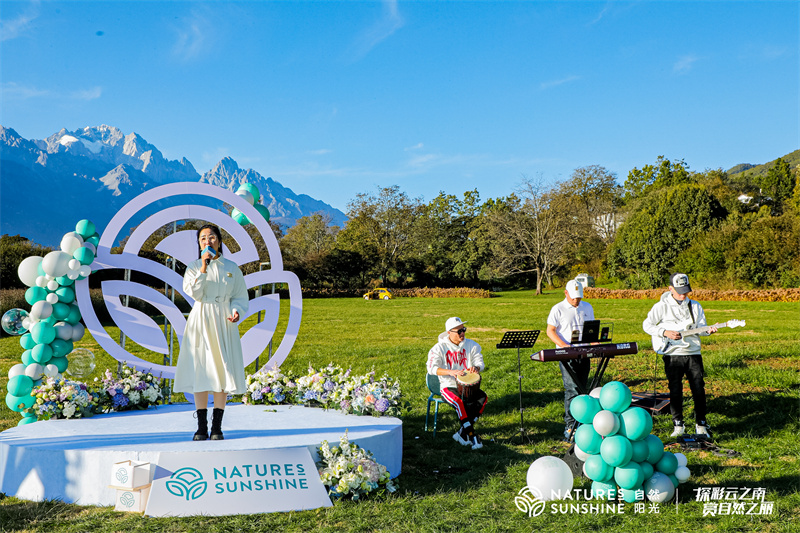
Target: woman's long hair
x=216, y=231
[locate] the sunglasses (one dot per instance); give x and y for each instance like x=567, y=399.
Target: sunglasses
x=461, y=331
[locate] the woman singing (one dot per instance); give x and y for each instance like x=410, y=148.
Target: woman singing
x=211, y=352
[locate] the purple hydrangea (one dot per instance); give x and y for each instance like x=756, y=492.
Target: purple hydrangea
x=382, y=405
x=345, y=405
x=257, y=395
x=310, y=395
x=120, y=400
x=329, y=385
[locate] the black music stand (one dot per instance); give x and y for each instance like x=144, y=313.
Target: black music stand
x=519, y=340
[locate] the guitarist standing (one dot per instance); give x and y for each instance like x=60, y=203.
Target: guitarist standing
x=674, y=313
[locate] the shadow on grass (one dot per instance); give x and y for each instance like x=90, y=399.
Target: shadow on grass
x=755, y=413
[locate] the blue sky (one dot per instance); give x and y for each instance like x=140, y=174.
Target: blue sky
x=336, y=98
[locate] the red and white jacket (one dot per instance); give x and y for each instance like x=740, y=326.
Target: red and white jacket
x=447, y=355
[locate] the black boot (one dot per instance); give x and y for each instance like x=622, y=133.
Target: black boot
x=202, y=425
x=216, y=424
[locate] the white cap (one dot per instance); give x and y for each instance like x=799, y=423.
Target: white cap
x=452, y=323
x=574, y=289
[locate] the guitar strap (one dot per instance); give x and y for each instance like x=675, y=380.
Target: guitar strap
x=691, y=314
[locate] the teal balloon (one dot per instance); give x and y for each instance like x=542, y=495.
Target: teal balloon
x=20, y=385
x=61, y=363
x=85, y=228
x=60, y=310
x=640, y=451
x=94, y=239
x=588, y=439
x=603, y=490
x=263, y=211
x=60, y=347
x=635, y=494
x=26, y=420
x=74, y=315
x=19, y=403
x=616, y=450
x=635, y=423
x=583, y=408
x=40, y=269
x=65, y=294
x=673, y=479
x=629, y=475
x=84, y=255
x=667, y=464
x=28, y=414
x=35, y=294
x=64, y=281
x=252, y=189
x=647, y=469
x=655, y=449
x=42, y=353
x=615, y=396
x=240, y=217
x=27, y=357
x=598, y=470
x=26, y=341
x=51, y=320
x=43, y=333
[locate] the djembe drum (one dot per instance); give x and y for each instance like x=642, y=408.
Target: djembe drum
x=468, y=385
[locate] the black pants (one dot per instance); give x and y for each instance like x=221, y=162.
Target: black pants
x=675, y=367
x=465, y=409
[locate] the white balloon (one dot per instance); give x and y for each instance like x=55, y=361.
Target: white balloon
x=52, y=285
x=63, y=331
x=74, y=264
x=41, y=310
x=550, y=477
x=16, y=370
x=51, y=371
x=73, y=274
x=247, y=195
x=682, y=460
x=682, y=474
x=28, y=270
x=41, y=281
x=90, y=246
x=77, y=332
x=51, y=298
x=56, y=264
x=659, y=488
x=28, y=322
x=605, y=423
x=85, y=270
x=71, y=242
x=580, y=454
x=596, y=392
x=34, y=371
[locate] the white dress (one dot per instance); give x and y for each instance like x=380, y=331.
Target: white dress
x=211, y=350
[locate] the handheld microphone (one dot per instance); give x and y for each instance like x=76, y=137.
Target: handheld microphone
x=208, y=249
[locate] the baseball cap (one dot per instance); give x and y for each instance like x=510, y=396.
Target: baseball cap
x=452, y=323
x=680, y=282
x=574, y=289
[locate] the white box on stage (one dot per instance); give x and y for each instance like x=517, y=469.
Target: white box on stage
x=131, y=475
x=132, y=500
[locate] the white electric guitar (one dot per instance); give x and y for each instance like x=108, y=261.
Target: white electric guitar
x=696, y=331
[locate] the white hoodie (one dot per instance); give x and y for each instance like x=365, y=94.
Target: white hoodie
x=669, y=314
x=450, y=356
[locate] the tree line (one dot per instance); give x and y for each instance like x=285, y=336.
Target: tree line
x=726, y=231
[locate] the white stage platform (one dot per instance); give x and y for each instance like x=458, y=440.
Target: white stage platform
x=71, y=460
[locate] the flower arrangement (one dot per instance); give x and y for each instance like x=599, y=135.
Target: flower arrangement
x=61, y=398
x=350, y=471
x=329, y=388
x=133, y=389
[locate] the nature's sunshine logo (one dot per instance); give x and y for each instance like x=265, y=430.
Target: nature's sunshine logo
x=127, y=499
x=529, y=501
x=122, y=475
x=187, y=483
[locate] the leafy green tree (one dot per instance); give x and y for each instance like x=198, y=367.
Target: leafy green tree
x=767, y=253
x=664, y=173
x=778, y=184
x=13, y=250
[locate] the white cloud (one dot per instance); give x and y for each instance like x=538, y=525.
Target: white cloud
x=684, y=64
x=389, y=23
x=321, y=151
x=417, y=146
x=14, y=91
x=11, y=29
x=88, y=94
x=193, y=36
x=555, y=83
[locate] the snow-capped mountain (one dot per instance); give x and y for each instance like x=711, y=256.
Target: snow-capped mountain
x=47, y=185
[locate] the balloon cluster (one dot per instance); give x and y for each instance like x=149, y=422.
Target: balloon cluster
x=51, y=327
x=618, y=450
x=250, y=193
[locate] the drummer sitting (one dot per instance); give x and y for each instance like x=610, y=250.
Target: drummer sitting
x=456, y=356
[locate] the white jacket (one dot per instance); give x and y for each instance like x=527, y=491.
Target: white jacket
x=449, y=356
x=670, y=314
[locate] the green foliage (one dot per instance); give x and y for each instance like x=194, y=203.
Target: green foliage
x=13, y=249
x=663, y=174
x=666, y=222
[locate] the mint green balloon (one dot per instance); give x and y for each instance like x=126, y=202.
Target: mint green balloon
x=26, y=420
x=43, y=333
x=20, y=385
x=616, y=450
x=61, y=363
x=74, y=315
x=615, y=396
x=35, y=294
x=64, y=281
x=27, y=358
x=42, y=353
x=26, y=341
x=65, y=294
x=635, y=423
x=19, y=403
x=647, y=469
x=60, y=310
x=240, y=217
x=252, y=189
x=603, y=490
x=583, y=408
x=84, y=255
x=60, y=347
x=598, y=470
x=640, y=451
x=263, y=211
x=631, y=496
x=85, y=228
x=588, y=439
x=629, y=475
x=667, y=464
x=655, y=449
x=94, y=239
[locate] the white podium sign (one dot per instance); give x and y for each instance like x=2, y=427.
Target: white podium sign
x=236, y=482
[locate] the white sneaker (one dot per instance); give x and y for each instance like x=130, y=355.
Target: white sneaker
x=462, y=437
x=477, y=444
x=703, y=429
x=678, y=430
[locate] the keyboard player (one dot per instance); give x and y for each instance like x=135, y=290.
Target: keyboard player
x=564, y=327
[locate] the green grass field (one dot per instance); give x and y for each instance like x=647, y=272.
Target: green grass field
x=753, y=380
